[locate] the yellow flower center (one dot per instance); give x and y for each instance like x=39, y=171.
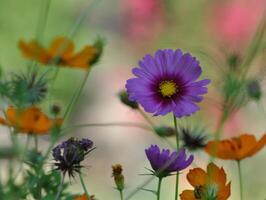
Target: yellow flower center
x=168, y=88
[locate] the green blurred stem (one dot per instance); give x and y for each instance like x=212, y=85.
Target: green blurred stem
x=23, y=157
x=143, y=114
x=218, y=133
x=60, y=187
x=159, y=188
x=42, y=19
x=177, y=149
x=261, y=108
x=240, y=180
x=83, y=185
x=121, y=195
x=36, y=142
x=76, y=96
x=122, y=124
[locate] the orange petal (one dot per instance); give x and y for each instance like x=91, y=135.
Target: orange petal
x=197, y=177
x=224, y=192
x=216, y=174
x=187, y=195
x=83, y=58
x=222, y=149
x=33, y=50
x=3, y=121
x=61, y=47
x=31, y=120
x=259, y=145
x=247, y=144
x=82, y=197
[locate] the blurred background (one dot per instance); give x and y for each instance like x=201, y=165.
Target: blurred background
x=211, y=30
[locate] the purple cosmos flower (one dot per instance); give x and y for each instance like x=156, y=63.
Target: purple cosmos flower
x=164, y=163
x=167, y=83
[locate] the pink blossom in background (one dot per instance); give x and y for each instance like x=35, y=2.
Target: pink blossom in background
x=234, y=22
x=142, y=19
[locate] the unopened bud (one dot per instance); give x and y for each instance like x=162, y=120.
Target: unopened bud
x=118, y=177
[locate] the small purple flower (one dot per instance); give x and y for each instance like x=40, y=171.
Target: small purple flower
x=163, y=163
x=86, y=144
x=69, y=154
x=167, y=83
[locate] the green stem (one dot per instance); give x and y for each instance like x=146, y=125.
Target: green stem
x=177, y=148
x=76, y=96
x=83, y=185
x=159, y=188
x=121, y=194
x=60, y=187
x=240, y=180
x=146, y=118
x=122, y=124
x=261, y=108
x=36, y=142
x=42, y=20
x=218, y=134
x=23, y=157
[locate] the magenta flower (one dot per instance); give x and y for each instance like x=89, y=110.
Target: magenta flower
x=167, y=83
x=163, y=163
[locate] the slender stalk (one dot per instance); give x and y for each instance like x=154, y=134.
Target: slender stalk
x=23, y=156
x=76, y=96
x=42, y=20
x=122, y=124
x=177, y=148
x=218, y=134
x=261, y=108
x=143, y=114
x=240, y=180
x=60, y=187
x=36, y=142
x=121, y=194
x=159, y=188
x=84, y=186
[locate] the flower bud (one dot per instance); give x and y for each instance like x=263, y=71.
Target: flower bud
x=118, y=177
x=165, y=131
x=123, y=96
x=254, y=89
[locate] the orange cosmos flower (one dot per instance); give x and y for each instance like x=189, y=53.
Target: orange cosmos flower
x=236, y=148
x=84, y=197
x=30, y=120
x=207, y=185
x=60, y=52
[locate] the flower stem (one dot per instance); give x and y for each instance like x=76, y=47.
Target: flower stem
x=159, y=188
x=240, y=180
x=60, y=187
x=83, y=185
x=76, y=96
x=121, y=194
x=36, y=142
x=177, y=148
x=218, y=134
x=146, y=118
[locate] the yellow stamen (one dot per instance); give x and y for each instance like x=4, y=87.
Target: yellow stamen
x=168, y=88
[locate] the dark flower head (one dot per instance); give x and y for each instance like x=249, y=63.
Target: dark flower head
x=55, y=109
x=69, y=154
x=167, y=83
x=27, y=89
x=123, y=96
x=164, y=163
x=254, y=89
x=193, y=138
